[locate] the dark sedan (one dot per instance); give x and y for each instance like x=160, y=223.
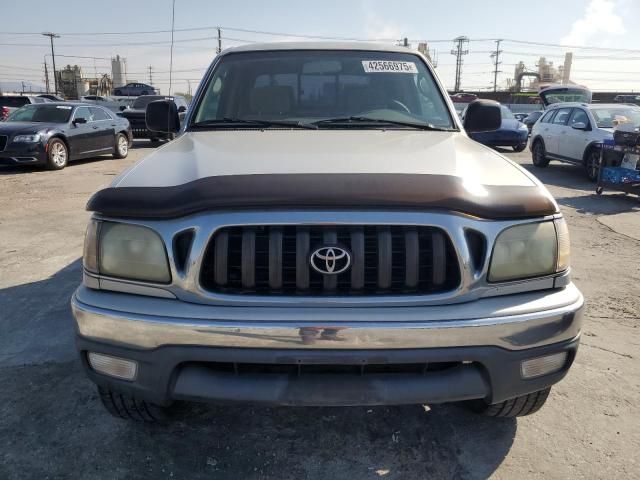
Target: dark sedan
x=137, y=116
x=52, y=134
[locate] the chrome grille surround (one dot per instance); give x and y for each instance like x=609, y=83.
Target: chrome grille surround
x=186, y=279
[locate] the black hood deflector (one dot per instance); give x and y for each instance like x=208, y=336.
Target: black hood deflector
x=332, y=190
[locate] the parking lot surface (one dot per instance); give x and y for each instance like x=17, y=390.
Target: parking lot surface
x=53, y=426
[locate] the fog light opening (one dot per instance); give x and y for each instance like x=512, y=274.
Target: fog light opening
x=113, y=366
x=536, y=367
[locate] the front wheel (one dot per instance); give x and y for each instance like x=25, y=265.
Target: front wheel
x=539, y=155
x=57, y=154
x=130, y=408
x=519, y=148
x=122, y=146
x=514, y=407
x=592, y=164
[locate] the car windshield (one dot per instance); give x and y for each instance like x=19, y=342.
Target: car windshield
x=142, y=102
x=41, y=113
x=506, y=113
x=310, y=86
x=609, y=117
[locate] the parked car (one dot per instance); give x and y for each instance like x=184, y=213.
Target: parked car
x=572, y=132
x=532, y=118
x=10, y=103
x=53, y=134
x=136, y=116
x=512, y=133
x=314, y=237
x=627, y=98
x=463, y=97
x=97, y=98
x=135, y=89
x=52, y=97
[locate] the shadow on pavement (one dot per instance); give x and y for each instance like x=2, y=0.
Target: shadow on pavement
x=52, y=423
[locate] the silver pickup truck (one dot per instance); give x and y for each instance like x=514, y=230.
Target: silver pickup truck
x=324, y=232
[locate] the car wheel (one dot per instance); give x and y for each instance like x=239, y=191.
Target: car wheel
x=592, y=164
x=514, y=407
x=519, y=148
x=57, y=154
x=122, y=146
x=130, y=408
x=539, y=156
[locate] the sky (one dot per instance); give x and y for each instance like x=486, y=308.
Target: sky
x=607, y=28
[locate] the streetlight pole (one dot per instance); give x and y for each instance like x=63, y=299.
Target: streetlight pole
x=53, y=58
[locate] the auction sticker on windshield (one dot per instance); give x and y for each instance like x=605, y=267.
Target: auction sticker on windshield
x=386, y=66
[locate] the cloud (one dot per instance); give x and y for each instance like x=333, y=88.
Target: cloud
x=599, y=17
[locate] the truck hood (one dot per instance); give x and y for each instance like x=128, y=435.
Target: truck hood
x=319, y=168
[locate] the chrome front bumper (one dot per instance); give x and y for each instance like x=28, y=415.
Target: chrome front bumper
x=512, y=322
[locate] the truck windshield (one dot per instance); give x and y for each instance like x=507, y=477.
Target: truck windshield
x=309, y=86
x=41, y=113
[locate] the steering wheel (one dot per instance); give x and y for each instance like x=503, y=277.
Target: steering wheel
x=398, y=103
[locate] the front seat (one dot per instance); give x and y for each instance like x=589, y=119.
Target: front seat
x=274, y=100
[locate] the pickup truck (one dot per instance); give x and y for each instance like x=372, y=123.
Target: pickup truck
x=323, y=232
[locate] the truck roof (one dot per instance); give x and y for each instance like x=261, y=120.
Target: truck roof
x=380, y=47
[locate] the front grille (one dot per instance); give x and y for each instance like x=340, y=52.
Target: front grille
x=275, y=260
x=3, y=142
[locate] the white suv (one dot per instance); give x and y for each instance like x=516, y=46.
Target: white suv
x=571, y=132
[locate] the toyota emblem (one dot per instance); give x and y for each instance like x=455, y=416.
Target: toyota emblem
x=330, y=260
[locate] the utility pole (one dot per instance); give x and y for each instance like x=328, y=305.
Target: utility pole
x=53, y=57
x=150, y=75
x=46, y=76
x=459, y=52
x=496, y=61
x=219, y=49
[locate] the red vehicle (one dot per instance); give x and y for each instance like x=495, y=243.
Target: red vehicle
x=463, y=97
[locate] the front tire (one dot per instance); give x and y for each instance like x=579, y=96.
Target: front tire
x=592, y=164
x=130, y=408
x=519, y=148
x=121, y=149
x=57, y=154
x=539, y=155
x=514, y=407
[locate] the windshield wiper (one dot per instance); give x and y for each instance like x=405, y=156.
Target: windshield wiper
x=360, y=119
x=231, y=122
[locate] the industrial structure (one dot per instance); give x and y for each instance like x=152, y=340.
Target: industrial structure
x=546, y=73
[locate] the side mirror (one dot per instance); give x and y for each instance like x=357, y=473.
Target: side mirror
x=79, y=120
x=482, y=116
x=579, y=126
x=182, y=109
x=122, y=108
x=162, y=116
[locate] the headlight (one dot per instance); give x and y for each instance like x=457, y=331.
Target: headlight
x=125, y=251
x=27, y=138
x=530, y=250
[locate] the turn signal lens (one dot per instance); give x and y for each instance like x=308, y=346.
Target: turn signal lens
x=90, y=255
x=536, y=367
x=562, y=231
x=113, y=366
